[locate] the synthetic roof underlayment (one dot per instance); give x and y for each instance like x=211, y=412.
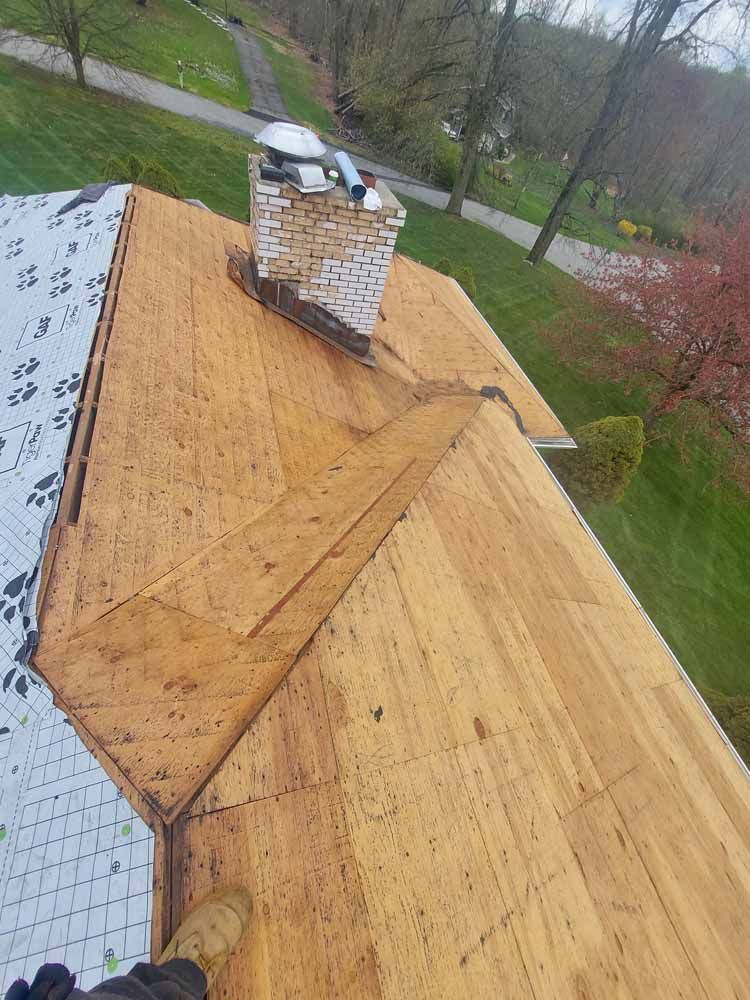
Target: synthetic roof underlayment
x=75, y=859
x=340, y=637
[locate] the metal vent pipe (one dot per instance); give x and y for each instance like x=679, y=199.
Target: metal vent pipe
x=353, y=181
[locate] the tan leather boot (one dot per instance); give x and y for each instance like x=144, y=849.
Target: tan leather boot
x=210, y=933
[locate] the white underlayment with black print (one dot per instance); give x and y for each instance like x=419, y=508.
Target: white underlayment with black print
x=75, y=859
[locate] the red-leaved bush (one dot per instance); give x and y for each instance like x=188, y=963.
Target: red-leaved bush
x=680, y=326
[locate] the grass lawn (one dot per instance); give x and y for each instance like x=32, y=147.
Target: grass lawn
x=167, y=30
x=683, y=547
x=53, y=137
x=296, y=81
x=295, y=74
x=545, y=180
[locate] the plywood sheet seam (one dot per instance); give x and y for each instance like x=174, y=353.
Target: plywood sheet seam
x=483, y=836
x=647, y=868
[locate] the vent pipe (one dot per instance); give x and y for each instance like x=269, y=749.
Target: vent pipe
x=349, y=172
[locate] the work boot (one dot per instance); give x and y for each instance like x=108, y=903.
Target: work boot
x=210, y=933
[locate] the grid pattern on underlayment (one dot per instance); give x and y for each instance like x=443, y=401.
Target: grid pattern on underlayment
x=75, y=859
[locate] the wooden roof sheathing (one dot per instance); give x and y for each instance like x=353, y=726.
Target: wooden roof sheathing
x=167, y=681
x=430, y=330
x=502, y=783
x=484, y=775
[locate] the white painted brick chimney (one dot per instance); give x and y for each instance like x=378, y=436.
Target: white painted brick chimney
x=336, y=250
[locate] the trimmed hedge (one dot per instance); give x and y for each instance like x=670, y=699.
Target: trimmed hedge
x=626, y=228
x=645, y=233
x=463, y=275
x=607, y=457
x=150, y=174
x=116, y=169
x=155, y=176
x=733, y=715
x=669, y=225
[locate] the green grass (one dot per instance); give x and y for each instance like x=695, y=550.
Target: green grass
x=255, y=19
x=295, y=75
x=54, y=136
x=167, y=30
x=682, y=545
x=533, y=205
x=296, y=81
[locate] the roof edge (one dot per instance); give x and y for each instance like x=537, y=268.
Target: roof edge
x=665, y=645
x=550, y=440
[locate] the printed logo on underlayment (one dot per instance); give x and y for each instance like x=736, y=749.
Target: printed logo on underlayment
x=47, y=324
x=11, y=445
x=12, y=602
x=45, y=490
x=72, y=247
x=20, y=685
x=84, y=219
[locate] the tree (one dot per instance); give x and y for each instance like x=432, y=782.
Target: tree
x=680, y=327
x=80, y=27
x=600, y=469
x=492, y=32
x=725, y=143
x=666, y=124
x=557, y=73
x=645, y=35
x=396, y=90
x=403, y=67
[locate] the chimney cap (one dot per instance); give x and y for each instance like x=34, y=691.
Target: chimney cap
x=294, y=141
x=306, y=177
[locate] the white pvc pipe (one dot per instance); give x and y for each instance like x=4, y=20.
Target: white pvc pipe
x=351, y=176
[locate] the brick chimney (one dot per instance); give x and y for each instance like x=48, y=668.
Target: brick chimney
x=333, y=251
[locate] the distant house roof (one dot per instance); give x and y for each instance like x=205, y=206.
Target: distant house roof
x=339, y=635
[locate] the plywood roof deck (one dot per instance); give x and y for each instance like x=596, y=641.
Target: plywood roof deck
x=472, y=769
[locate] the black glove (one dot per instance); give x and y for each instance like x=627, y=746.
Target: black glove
x=52, y=982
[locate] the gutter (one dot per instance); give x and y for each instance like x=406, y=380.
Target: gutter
x=644, y=614
x=550, y=442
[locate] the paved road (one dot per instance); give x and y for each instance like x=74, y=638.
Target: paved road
x=264, y=93
x=573, y=256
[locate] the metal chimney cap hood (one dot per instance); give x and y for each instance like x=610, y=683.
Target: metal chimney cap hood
x=306, y=177
x=294, y=141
